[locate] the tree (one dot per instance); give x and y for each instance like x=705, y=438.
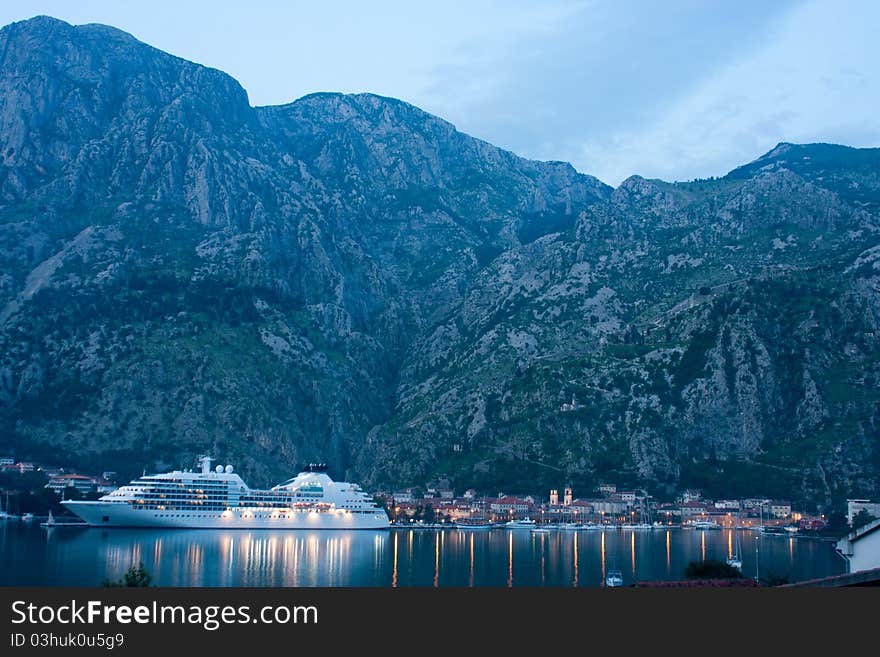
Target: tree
x=862, y=518
x=711, y=569
x=429, y=514
x=134, y=577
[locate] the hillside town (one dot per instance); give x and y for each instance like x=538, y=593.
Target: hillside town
x=608, y=505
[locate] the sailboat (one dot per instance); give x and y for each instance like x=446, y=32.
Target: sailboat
x=50, y=521
x=735, y=559
x=4, y=513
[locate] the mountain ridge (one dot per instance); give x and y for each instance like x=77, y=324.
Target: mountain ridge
x=347, y=278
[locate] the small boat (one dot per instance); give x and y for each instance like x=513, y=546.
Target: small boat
x=735, y=562
x=525, y=523
x=569, y=526
x=51, y=522
x=473, y=523
x=614, y=578
x=705, y=524
x=540, y=530
x=590, y=526
x=792, y=529
x=636, y=526
x=27, y=517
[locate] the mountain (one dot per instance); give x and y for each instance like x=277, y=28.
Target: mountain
x=347, y=278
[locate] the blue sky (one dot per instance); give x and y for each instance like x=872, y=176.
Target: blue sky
x=676, y=89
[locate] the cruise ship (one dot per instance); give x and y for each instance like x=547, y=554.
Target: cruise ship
x=219, y=499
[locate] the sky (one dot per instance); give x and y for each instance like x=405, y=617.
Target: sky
x=678, y=89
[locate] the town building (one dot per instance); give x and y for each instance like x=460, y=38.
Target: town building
x=568, y=496
x=554, y=497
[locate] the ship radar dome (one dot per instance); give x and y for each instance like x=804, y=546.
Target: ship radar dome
x=218, y=469
x=228, y=469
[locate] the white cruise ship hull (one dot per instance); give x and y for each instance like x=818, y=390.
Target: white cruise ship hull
x=116, y=514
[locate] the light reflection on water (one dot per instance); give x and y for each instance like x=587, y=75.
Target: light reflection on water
x=86, y=557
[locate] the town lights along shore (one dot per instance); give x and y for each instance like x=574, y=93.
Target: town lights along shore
x=219, y=499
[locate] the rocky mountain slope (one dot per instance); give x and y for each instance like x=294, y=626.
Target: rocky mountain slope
x=347, y=278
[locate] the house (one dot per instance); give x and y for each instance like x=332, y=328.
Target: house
x=470, y=494
x=727, y=505
x=861, y=548
x=627, y=496
x=755, y=505
x=780, y=509
x=6, y=461
x=24, y=467
x=403, y=495
x=691, y=495
x=854, y=507
x=607, y=489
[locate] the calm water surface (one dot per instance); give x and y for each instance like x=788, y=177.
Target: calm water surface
x=31, y=556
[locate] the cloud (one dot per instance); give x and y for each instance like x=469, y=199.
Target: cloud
x=813, y=80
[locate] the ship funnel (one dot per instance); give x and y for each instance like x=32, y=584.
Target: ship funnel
x=205, y=464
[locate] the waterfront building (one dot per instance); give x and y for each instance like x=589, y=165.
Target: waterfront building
x=81, y=483
x=861, y=548
x=510, y=505
x=612, y=505
x=569, y=495
x=582, y=507
x=691, y=508
x=554, y=497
